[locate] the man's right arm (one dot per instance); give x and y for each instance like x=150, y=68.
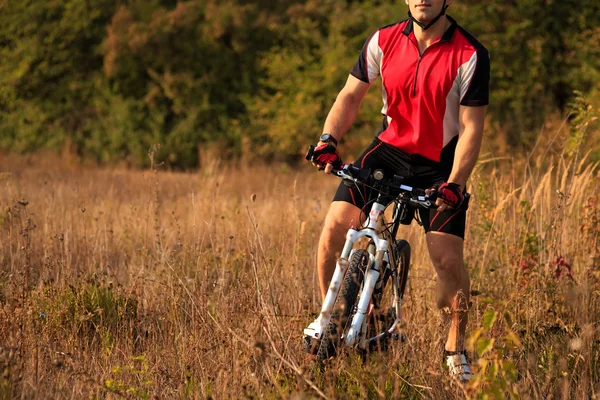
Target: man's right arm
x=344, y=110
x=346, y=106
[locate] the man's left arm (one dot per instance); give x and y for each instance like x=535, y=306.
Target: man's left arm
x=474, y=92
x=467, y=149
x=469, y=143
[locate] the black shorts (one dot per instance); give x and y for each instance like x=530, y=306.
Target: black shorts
x=418, y=172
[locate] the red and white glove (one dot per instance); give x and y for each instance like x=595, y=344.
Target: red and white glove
x=450, y=194
x=326, y=154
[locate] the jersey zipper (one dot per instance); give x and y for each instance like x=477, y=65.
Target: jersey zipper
x=417, y=73
x=419, y=64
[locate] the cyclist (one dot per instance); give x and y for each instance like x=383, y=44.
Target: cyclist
x=435, y=88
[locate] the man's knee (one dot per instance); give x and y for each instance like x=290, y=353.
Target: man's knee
x=446, y=252
x=448, y=263
x=340, y=217
x=454, y=285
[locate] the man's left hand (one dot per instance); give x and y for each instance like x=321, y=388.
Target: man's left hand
x=449, y=196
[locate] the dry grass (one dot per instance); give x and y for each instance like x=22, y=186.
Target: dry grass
x=150, y=284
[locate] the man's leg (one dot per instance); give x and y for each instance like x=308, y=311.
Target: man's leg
x=453, y=285
x=340, y=217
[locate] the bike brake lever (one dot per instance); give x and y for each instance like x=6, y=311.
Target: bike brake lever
x=342, y=172
x=433, y=196
x=310, y=152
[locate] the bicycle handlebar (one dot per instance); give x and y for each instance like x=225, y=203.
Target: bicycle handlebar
x=366, y=177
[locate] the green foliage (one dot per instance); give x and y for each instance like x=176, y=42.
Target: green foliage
x=540, y=53
x=91, y=309
x=107, y=78
x=50, y=58
x=585, y=119
x=132, y=380
x=349, y=380
x=185, y=70
x=308, y=69
x=496, y=376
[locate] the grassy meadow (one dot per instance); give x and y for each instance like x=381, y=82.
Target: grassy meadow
x=119, y=283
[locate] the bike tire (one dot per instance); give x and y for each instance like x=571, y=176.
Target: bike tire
x=388, y=315
x=344, y=306
x=403, y=258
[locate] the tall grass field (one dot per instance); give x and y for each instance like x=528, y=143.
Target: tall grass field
x=118, y=283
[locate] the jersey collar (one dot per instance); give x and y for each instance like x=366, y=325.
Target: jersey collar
x=446, y=37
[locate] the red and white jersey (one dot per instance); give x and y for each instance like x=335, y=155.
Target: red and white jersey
x=422, y=92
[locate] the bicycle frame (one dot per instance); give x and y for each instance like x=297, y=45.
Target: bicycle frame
x=379, y=251
x=370, y=230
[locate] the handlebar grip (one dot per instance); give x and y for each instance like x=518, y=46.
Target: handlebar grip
x=310, y=152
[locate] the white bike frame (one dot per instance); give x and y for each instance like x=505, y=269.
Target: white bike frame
x=379, y=251
x=370, y=230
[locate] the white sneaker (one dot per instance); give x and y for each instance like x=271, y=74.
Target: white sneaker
x=458, y=365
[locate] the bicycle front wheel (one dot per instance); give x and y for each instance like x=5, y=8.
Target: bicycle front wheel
x=385, y=314
x=345, y=305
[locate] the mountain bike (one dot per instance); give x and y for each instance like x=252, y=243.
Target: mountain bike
x=363, y=306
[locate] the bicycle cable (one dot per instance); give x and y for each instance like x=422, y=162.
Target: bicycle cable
x=368, y=204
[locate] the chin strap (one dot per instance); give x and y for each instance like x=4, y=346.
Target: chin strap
x=433, y=21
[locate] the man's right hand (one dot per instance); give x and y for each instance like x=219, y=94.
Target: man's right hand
x=325, y=157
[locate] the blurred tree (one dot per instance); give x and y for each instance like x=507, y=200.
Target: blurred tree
x=109, y=78
x=321, y=41
x=189, y=67
x=533, y=47
x=50, y=58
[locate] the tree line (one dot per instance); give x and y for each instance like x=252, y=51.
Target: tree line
x=110, y=78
